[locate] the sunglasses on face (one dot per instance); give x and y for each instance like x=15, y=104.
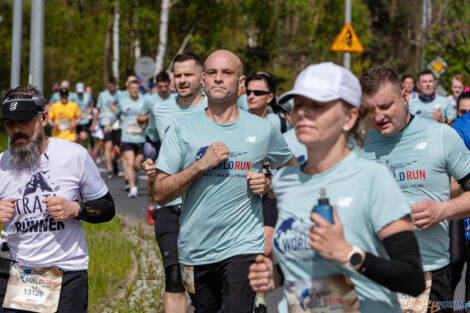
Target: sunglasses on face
x=257, y=92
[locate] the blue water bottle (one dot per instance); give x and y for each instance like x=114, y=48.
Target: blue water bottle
x=325, y=210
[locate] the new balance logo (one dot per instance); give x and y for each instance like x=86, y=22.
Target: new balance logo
x=250, y=139
x=421, y=145
x=13, y=106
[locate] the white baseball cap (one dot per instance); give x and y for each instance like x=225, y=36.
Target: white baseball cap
x=325, y=82
x=80, y=88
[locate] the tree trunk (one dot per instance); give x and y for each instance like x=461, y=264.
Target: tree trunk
x=183, y=46
x=107, y=43
x=163, y=35
x=116, y=42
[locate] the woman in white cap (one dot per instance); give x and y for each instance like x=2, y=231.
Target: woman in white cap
x=370, y=252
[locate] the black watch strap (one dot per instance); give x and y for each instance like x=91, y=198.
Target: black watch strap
x=82, y=213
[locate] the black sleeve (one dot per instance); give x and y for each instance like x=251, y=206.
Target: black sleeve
x=100, y=210
x=465, y=183
x=403, y=272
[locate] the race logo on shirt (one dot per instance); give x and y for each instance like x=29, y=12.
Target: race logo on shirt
x=228, y=164
x=403, y=176
x=32, y=211
x=291, y=236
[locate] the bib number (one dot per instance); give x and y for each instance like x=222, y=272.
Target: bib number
x=64, y=124
x=330, y=294
x=35, y=289
x=133, y=129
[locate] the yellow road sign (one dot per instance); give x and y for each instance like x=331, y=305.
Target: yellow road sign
x=347, y=40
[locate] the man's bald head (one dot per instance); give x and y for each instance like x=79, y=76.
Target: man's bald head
x=226, y=55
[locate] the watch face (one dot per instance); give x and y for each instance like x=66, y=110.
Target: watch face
x=356, y=258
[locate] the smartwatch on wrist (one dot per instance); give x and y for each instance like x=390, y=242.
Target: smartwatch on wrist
x=82, y=213
x=355, y=258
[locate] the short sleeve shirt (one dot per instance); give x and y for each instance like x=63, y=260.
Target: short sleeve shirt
x=299, y=150
x=84, y=102
x=420, y=108
x=35, y=239
x=64, y=115
x=104, y=104
x=219, y=206
x=367, y=200
x=422, y=158
x=128, y=109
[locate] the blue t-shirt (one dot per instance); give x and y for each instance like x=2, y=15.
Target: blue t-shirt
x=105, y=99
x=420, y=108
x=221, y=216
x=128, y=110
x=367, y=200
x=422, y=158
x=84, y=101
x=242, y=102
x=462, y=126
x=299, y=150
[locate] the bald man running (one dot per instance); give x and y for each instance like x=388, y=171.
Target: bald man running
x=215, y=159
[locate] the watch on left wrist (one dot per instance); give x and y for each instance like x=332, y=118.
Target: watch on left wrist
x=355, y=258
x=82, y=212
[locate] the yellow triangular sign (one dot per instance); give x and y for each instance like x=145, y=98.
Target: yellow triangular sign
x=347, y=40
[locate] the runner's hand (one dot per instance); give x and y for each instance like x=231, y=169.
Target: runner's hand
x=427, y=213
x=61, y=209
x=149, y=167
x=7, y=209
x=258, y=182
x=328, y=240
x=261, y=275
x=214, y=155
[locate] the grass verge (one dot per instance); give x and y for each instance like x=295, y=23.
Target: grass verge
x=110, y=260
x=3, y=141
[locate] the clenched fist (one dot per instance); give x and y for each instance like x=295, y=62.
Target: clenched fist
x=258, y=182
x=7, y=209
x=149, y=167
x=214, y=155
x=61, y=209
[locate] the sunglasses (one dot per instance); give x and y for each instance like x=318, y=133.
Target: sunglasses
x=257, y=92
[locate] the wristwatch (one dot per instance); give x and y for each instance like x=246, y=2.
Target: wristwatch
x=355, y=258
x=82, y=213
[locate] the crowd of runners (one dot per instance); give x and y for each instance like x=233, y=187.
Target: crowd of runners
x=352, y=194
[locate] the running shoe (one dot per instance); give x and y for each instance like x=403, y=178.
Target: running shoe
x=110, y=175
x=150, y=219
x=132, y=192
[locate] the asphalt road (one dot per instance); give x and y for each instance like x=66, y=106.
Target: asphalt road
x=137, y=208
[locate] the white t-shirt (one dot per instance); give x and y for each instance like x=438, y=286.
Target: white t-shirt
x=65, y=170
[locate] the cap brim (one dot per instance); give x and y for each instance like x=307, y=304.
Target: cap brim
x=19, y=116
x=290, y=94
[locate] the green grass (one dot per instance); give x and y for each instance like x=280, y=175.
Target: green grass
x=3, y=141
x=110, y=261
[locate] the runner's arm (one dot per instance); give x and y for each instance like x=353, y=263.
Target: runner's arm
x=100, y=210
x=143, y=119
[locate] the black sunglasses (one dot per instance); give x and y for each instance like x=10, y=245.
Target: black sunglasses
x=257, y=92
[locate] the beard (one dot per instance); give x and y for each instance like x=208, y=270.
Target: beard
x=25, y=155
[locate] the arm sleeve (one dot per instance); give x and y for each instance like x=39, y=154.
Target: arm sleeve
x=456, y=154
x=170, y=158
x=403, y=272
x=100, y=210
x=278, y=151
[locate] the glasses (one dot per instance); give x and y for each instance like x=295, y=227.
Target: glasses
x=257, y=92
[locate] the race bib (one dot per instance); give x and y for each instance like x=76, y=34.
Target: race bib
x=64, y=124
x=330, y=294
x=115, y=125
x=421, y=303
x=187, y=275
x=133, y=129
x=35, y=289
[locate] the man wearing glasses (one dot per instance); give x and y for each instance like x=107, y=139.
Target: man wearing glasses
x=48, y=187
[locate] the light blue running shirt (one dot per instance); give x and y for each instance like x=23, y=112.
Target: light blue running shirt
x=84, y=102
x=299, y=150
x=419, y=108
x=422, y=158
x=221, y=216
x=163, y=112
x=129, y=109
x=105, y=99
x=367, y=200
x=150, y=101
x=56, y=97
